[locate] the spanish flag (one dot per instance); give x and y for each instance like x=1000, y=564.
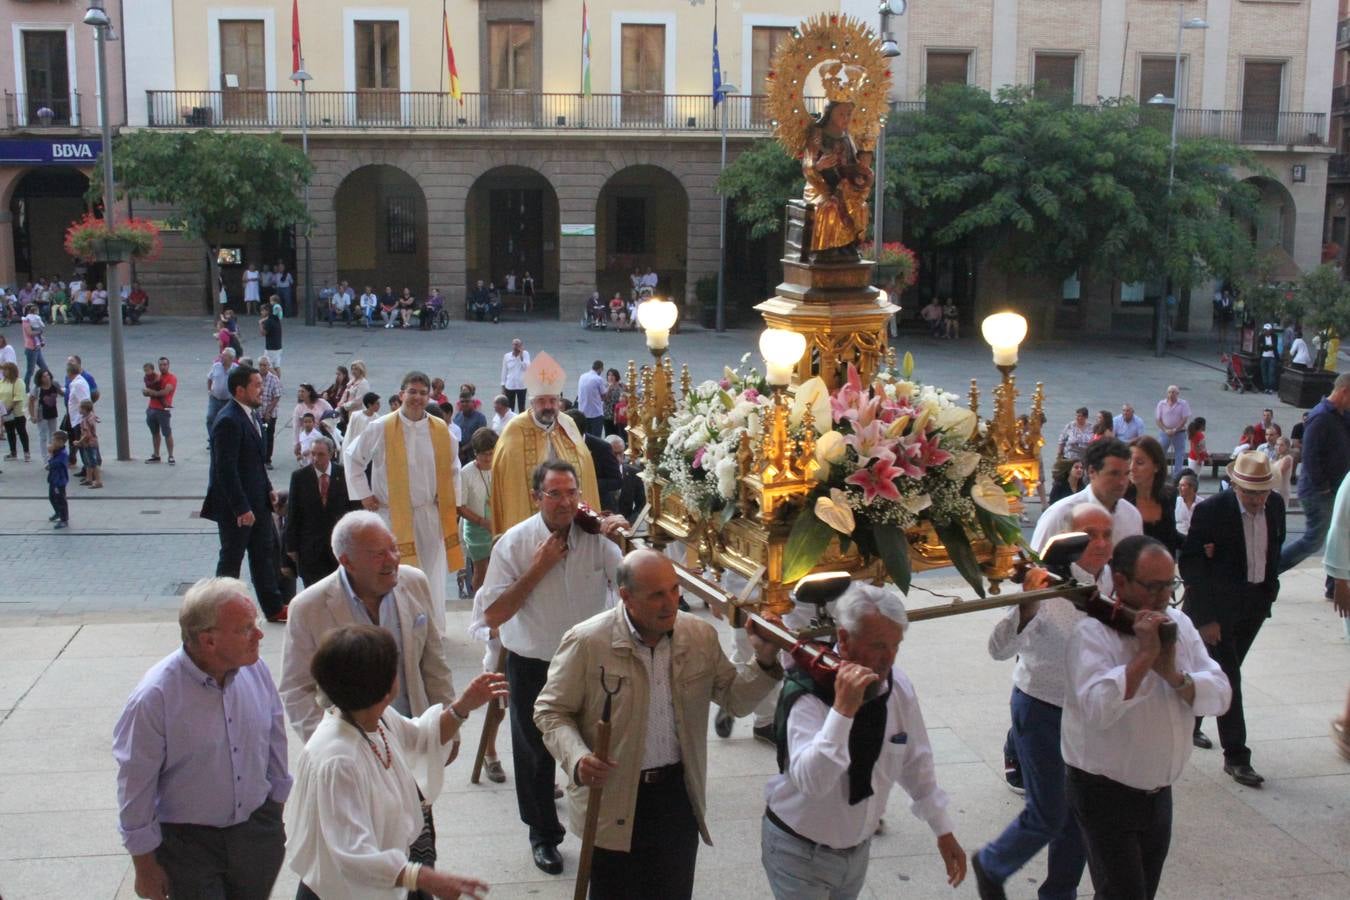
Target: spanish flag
x=450, y=59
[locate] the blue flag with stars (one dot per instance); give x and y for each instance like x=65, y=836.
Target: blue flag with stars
x=717, y=70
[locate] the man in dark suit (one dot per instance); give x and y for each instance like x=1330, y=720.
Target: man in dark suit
x=239, y=496
x=1230, y=563
x=608, y=474
x=317, y=499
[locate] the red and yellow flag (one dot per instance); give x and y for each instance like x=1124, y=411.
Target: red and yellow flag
x=450, y=60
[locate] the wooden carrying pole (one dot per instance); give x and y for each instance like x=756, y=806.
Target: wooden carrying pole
x=496, y=711
x=601, y=749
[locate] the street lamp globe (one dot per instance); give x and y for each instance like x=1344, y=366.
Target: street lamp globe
x=657, y=317
x=1004, y=332
x=781, y=349
x=97, y=17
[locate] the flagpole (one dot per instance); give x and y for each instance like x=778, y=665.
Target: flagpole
x=440, y=87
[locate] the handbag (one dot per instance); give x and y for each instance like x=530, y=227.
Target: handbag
x=423, y=849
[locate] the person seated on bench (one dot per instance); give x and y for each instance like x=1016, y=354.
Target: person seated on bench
x=618, y=311
x=484, y=303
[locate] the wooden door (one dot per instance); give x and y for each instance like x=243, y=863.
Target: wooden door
x=243, y=72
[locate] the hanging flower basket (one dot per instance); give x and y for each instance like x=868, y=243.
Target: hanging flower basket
x=895, y=259
x=91, y=240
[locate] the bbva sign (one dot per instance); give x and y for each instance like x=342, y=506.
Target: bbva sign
x=82, y=150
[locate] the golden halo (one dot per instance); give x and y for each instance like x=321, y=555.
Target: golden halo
x=825, y=37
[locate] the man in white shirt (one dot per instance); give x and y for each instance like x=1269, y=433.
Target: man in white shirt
x=1126, y=729
x=1037, y=633
x=591, y=398
x=1108, y=469
x=501, y=413
x=369, y=301
x=514, y=365
x=839, y=755
x=545, y=575
x=1127, y=426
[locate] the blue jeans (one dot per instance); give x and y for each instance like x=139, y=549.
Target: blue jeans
x=1178, y=444
x=1317, y=516
x=1045, y=819
x=1268, y=373
x=33, y=363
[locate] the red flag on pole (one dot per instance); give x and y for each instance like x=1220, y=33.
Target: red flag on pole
x=450, y=60
x=295, y=36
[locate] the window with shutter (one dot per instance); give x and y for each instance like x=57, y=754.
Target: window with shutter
x=947, y=67
x=1055, y=76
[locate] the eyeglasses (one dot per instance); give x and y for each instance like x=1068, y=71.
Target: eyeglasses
x=561, y=495
x=1158, y=587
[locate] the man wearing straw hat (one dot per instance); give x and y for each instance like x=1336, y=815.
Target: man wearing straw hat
x=1230, y=563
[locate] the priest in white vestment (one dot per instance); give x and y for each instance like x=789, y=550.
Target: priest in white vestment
x=414, y=495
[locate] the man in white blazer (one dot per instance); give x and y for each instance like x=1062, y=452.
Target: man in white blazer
x=369, y=587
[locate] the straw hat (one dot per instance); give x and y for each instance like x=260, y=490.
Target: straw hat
x=1251, y=471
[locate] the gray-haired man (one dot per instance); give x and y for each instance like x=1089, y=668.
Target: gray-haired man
x=201, y=758
x=840, y=754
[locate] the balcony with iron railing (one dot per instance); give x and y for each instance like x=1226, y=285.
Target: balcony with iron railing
x=574, y=113
x=1343, y=33
x=1338, y=167
x=34, y=112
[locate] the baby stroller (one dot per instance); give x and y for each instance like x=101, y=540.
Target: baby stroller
x=1235, y=374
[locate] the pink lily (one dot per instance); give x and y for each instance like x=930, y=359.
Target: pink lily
x=878, y=479
x=697, y=461
x=869, y=441
x=925, y=451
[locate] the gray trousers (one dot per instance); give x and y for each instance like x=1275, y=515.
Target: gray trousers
x=799, y=870
x=240, y=862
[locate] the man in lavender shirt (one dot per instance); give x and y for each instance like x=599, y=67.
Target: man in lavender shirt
x=201, y=758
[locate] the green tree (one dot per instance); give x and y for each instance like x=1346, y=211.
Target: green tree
x=760, y=181
x=1055, y=188
x=1322, y=304
x=212, y=181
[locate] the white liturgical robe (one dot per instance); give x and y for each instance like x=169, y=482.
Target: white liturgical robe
x=369, y=448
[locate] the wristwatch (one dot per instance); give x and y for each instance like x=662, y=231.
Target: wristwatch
x=1186, y=681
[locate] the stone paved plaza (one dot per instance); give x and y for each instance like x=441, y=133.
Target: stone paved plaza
x=84, y=613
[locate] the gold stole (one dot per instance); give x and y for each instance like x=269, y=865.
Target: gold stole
x=400, y=496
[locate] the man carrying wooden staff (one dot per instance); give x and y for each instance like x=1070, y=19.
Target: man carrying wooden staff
x=651, y=813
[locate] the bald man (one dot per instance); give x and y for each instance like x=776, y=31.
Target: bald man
x=652, y=810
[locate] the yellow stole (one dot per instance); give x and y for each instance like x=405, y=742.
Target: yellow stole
x=400, y=497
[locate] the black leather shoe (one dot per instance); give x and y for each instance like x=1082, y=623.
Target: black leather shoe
x=984, y=885
x=722, y=724
x=1199, y=739
x=1243, y=774
x=548, y=859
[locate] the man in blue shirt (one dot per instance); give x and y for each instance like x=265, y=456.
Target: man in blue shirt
x=1326, y=457
x=1127, y=425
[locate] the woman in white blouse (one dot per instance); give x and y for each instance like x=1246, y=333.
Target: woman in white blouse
x=358, y=387
x=357, y=783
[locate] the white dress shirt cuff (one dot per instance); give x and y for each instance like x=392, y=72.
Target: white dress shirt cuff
x=836, y=730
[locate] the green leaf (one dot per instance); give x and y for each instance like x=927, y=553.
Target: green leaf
x=963, y=556
x=805, y=544
x=893, y=548
x=727, y=513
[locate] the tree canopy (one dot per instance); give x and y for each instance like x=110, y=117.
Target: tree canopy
x=1044, y=186
x=211, y=179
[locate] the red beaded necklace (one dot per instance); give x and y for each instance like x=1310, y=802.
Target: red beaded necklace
x=388, y=759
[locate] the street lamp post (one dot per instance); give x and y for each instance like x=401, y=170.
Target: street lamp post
x=722, y=90
x=302, y=76
x=1183, y=25
x=889, y=49
x=97, y=18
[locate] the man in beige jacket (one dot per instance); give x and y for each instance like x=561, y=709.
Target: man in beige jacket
x=369, y=587
x=672, y=667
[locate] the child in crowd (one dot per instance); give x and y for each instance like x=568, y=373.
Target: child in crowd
x=1199, y=453
x=151, y=378
x=438, y=391
x=88, y=444
x=307, y=436
x=474, y=492
x=58, y=476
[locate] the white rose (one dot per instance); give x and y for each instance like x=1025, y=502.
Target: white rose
x=830, y=448
x=726, y=478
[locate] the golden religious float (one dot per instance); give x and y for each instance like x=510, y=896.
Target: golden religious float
x=834, y=456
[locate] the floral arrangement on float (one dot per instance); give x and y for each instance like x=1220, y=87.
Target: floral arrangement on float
x=895, y=459
x=91, y=240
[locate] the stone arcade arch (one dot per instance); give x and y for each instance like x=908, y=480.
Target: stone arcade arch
x=641, y=221
x=381, y=230
x=511, y=224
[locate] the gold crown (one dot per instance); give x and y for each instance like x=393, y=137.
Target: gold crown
x=842, y=82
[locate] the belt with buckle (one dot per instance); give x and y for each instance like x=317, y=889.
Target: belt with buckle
x=661, y=774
